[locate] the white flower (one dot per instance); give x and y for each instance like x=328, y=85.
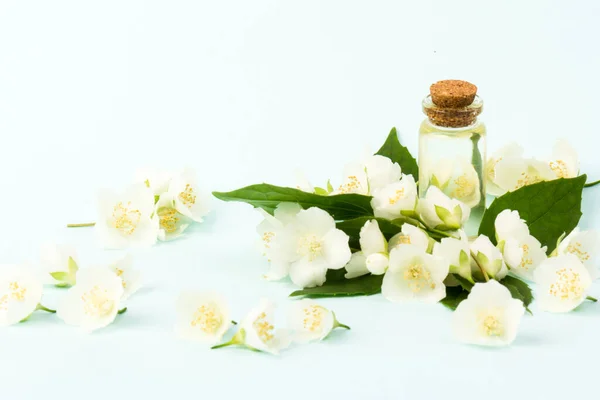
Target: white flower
x=584, y=245
x=410, y=234
x=257, y=331
x=269, y=231
x=94, y=301
x=357, y=266
x=20, y=293
x=302, y=183
x=514, y=173
x=523, y=255
x=311, y=321
x=562, y=283
x=457, y=179
x=389, y=201
x=375, y=172
x=439, y=211
x=189, y=199
x=510, y=151
x=414, y=275
x=127, y=219
x=488, y=257
x=202, y=317
x=171, y=223
x=564, y=162
x=131, y=278
x=156, y=180
x=381, y=171
x=457, y=253
x=374, y=247
x=312, y=245
x=489, y=316
x=60, y=261
x=509, y=224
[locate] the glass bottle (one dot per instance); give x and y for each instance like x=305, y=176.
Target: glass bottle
x=452, y=147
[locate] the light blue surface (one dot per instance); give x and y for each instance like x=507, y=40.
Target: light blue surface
x=250, y=91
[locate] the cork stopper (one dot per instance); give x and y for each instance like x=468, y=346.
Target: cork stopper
x=452, y=104
x=452, y=93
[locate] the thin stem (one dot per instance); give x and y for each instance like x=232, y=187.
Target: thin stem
x=219, y=346
x=238, y=338
x=42, y=308
x=122, y=311
x=591, y=184
x=233, y=322
x=338, y=324
x=485, y=275
x=82, y=225
x=590, y=298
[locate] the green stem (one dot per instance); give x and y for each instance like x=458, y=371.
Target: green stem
x=82, y=225
x=587, y=185
x=122, y=311
x=42, y=308
x=238, y=338
x=233, y=322
x=590, y=298
x=485, y=275
x=338, y=324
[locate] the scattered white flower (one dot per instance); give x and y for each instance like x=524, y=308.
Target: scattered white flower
x=439, y=211
x=375, y=172
x=584, y=245
x=131, y=278
x=489, y=316
x=171, y=223
x=564, y=162
x=514, y=173
x=94, y=301
x=357, y=266
x=127, y=219
x=310, y=321
x=562, y=283
x=414, y=275
x=312, y=245
x=389, y=201
x=509, y=224
x=458, y=180
x=189, y=199
x=257, y=331
x=488, y=258
x=60, y=261
x=458, y=254
x=510, y=151
x=269, y=231
x=20, y=294
x=157, y=180
x=523, y=255
x=410, y=234
x=202, y=317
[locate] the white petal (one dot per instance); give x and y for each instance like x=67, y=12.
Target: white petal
x=314, y=221
x=565, y=161
x=583, y=244
x=371, y=239
x=377, y=263
x=203, y=317
x=381, y=171
x=509, y=224
x=357, y=266
x=336, y=249
x=308, y=274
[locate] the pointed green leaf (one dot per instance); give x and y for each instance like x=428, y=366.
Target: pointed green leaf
x=329, y=186
x=519, y=290
x=60, y=276
x=393, y=150
x=361, y=286
x=443, y=213
x=321, y=191
x=454, y=296
x=73, y=268
x=550, y=209
x=267, y=197
x=465, y=284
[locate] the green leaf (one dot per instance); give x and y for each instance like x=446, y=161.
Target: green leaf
x=321, y=191
x=454, y=296
x=550, y=208
x=329, y=186
x=393, y=150
x=464, y=283
x=352, y=228
x=519, y=290
x=60, y=276
x=335, y=274
x=267, y=197
x=361, y=286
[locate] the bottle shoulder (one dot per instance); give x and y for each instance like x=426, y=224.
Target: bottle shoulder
x=427, y=128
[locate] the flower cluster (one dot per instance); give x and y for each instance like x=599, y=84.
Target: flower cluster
x=205, y=317
x=508, y=170
x=158, y=205
x=94, y=298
